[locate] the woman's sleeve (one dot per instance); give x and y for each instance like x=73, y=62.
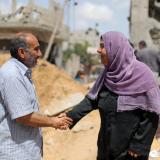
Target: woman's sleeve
x=80, y=110
x=143, y=137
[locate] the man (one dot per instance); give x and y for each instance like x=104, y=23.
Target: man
x=149, y=57
x=20, y=135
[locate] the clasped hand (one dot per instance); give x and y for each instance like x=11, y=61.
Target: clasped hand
x=62, y=121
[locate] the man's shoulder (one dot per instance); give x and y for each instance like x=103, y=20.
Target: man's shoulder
x=9, y=69
x=147, y=51
x=144, y=50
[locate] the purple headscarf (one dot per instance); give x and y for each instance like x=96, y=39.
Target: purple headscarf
x=126, y=76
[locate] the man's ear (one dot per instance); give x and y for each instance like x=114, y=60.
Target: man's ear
x=21, y=53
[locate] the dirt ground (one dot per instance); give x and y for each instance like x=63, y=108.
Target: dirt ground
x=54, y=87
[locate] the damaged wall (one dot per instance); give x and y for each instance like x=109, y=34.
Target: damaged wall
x=145, y=22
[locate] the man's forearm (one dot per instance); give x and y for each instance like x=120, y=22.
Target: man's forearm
x=38, y=120
x=35, y=120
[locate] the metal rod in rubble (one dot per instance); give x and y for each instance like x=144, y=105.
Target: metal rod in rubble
x=54, y=31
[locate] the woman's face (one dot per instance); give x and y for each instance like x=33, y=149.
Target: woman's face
x=103, y=53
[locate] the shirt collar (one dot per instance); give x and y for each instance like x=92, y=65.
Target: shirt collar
x=24, y=69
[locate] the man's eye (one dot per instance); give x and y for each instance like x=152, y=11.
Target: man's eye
x=37, y=48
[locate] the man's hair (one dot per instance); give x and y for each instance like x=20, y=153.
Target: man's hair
x=143, y=43
x=19, y=41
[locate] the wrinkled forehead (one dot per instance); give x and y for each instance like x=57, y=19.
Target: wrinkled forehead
x=28, y=37
x=32, y=41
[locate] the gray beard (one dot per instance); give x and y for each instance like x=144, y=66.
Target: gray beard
x=31, y=62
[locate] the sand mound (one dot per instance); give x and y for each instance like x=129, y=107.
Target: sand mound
x=53, y=83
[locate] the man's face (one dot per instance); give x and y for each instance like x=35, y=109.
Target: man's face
x=33, y=53
x=103, y=53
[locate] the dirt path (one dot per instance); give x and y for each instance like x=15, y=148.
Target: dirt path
x=78, y=143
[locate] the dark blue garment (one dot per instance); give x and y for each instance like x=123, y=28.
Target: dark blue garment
x=151, y=58
x=119, y=131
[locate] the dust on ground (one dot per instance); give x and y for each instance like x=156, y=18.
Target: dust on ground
x=54, y=86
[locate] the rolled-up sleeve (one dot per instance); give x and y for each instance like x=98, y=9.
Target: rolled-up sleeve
x=16, y=98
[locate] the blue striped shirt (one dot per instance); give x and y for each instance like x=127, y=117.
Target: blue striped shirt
x=17, y=99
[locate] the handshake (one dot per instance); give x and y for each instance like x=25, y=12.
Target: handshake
x=61, y=121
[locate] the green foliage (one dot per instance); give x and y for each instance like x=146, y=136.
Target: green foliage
x=80, y=50
x=67, y=54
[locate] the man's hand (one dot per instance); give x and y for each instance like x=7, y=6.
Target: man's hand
x=61, y=122
x=62, y=115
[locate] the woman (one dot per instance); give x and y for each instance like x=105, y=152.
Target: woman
x=128, y=100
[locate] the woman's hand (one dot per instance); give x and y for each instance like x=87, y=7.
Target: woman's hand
x=133, y=154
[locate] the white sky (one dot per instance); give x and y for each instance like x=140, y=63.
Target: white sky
x=108, y=14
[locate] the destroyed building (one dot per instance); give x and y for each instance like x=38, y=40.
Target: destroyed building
x=145, y=22
x=37, y=20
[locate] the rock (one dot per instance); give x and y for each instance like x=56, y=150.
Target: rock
x=83, y=127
